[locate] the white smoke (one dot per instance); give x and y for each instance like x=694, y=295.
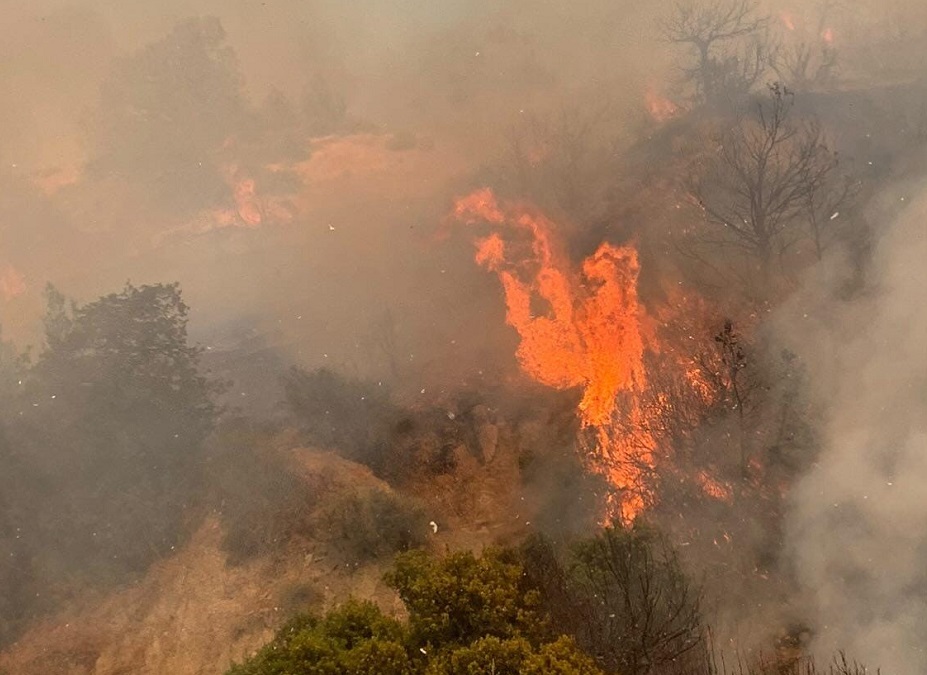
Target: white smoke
x=858, y=524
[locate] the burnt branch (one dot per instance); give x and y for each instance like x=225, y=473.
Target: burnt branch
x=730, y=46
x=764, y=176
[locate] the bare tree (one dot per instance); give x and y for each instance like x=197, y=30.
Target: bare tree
x=809, y=64
x=560, y=160
x=623, y=595
x=759, y=182
x=730, y=45
x=805, y=67
x=640, y=610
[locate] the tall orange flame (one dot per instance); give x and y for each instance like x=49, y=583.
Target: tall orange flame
x=578, y=329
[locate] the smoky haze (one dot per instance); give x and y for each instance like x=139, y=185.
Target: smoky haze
x=292, y=165
x=120, y=161
x=857, y=528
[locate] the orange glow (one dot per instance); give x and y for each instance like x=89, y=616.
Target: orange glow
x=714, y=488
x=50, y=181
x=247, y=211
x=246, y=202
x=660, y=108
x=828, y=36
x=12, y=283
x=581, y=328
x=787, y=20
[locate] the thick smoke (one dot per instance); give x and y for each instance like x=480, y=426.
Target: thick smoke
x=431, y=91
x=858, y=525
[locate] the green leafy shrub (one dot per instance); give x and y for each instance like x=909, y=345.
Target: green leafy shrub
x=461, y=598
x=516, y=656
x=353, y=638
x=468, y=615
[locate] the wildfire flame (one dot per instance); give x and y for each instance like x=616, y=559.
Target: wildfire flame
x=660, y=108
x=12, y=283
x=581, y=328
x=787, y=20
x=714, y=488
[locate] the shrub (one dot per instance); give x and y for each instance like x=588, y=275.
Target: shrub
x=467, y=616
x=461, y=598
x=353, y=638
x=351, y=417
x=263, y=505
x=374, y=523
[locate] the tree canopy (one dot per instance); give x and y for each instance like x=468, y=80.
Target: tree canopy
x=101, y=439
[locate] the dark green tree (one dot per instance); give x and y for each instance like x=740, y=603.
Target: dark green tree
x=165, y=113
x=113, y=417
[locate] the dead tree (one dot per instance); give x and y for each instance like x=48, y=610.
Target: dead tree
x=759, y=181
x=730, y=46
x=805, y=67
x=637, y=610
x=809, y=64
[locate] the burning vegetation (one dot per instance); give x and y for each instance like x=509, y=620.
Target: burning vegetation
x=462, y=340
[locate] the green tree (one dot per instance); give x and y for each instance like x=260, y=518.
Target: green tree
x=114, y=415
x=165, y=113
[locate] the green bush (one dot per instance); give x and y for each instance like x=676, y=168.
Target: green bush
x=461, y=598
x=468, y=615
x=353, y=638
x=516, y=656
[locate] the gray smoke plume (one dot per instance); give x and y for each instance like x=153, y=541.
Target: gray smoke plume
x=858, y=525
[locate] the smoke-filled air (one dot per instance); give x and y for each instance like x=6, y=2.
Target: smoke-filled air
x=471, y=337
